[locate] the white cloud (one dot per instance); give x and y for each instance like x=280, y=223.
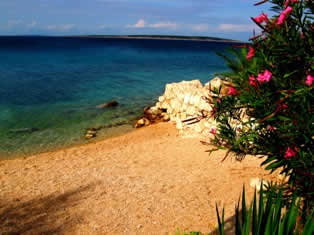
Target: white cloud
x=65, y=27
x=32, y=25
x=102, y=26
x=167, y=25
x=236, y=27
x=140, y=24
x=200, y=27
x=13, y=23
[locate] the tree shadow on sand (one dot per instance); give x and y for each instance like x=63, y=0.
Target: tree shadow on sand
x=43, y=215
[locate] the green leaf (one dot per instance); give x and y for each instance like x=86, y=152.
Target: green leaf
x=254, y=216
x=273, y=166
x=220, y=223
x=244, y=212
x=309, y=225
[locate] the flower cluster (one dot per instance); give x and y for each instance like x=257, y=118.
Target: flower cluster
x=290, y=152
x=232, y=91
x=283, y=15
x=309, y=80
x=262, y=18
x=289, y=2
x=251, y=53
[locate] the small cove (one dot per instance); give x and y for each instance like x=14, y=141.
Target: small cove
x=50, y=86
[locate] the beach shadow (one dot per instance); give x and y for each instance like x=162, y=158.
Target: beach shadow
x=44, y=215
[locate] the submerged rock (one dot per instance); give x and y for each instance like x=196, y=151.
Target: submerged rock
x=89, y=136
x=24, y=130
x=112, y=103
x=91, y=133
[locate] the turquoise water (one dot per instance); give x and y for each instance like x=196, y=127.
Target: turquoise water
x=53, y=85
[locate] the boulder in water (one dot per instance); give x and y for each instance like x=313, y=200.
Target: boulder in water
x=110, y=104
x=24, y=130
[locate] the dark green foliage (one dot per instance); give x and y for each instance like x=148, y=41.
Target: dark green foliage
x=269, y=216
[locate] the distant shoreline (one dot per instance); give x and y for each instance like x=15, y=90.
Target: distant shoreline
x=145, y=37
x=160, y=37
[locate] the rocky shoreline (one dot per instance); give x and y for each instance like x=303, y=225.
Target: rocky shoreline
x=188, y=105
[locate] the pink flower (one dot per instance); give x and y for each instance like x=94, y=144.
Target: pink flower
x=281, y=19
x=281, y=106
x=288, y=10
x=287, y=3
x=262, y=18
x=252, y=80
x=271, y=128
x=267, y=75
x=251, y=53
x=283, y=15
x=290, y=153
x=212, y=131
x=290, y=1
x=309, y=80
x=264, y=77
x=232, y=91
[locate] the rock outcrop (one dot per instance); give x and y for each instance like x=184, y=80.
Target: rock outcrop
x=188, y=105
x=185, y=103
x=152, y=115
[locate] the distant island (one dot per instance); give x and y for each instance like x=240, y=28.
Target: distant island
x=164, y=37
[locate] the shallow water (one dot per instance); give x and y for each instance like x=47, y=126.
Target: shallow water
x=54, y=84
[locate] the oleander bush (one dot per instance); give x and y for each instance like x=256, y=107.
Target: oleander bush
x=271, y=82
x=268, y=111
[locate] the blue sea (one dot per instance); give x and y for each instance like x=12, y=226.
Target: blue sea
x=50, y=86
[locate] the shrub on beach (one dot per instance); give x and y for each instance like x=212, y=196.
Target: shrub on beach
x=272, y=82
x=267, y=216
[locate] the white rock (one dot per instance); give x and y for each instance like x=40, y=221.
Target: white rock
x=161, y=99
x=166, y=118
x=184, y=100
x=173, y=117
x=197, y=100
x=187, y=99
x=215, y=83
x=190, y=111
x=192, y=100
x=198, y=128
x=183, y=116
x=179, y=124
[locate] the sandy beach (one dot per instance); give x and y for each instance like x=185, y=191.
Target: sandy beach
x=150, y=181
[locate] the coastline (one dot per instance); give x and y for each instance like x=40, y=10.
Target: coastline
x=149, y=181
x=112, y=132
x=179, y=38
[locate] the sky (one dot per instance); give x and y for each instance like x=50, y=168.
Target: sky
x=217, y=18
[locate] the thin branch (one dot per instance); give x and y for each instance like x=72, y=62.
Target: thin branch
x=260, y=3
x=227, y=154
